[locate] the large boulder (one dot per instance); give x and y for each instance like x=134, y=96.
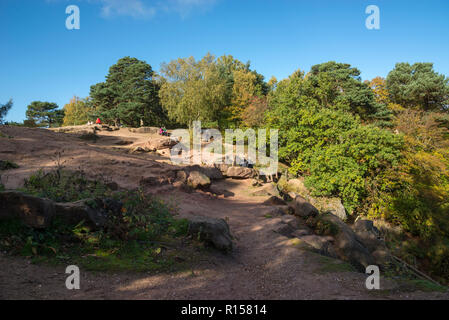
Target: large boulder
x=212, y=172
x=212, y=231
x=293, y=185
x=332, y=205
x=160, y=143
x=197, y=179
x=302, y=208
x=240, y=172
x=348, y=245
x=370, y=236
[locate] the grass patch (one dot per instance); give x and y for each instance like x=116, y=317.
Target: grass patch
x=334, y=265
x=97, y=251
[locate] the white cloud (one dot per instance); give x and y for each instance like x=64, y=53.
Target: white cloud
x=132, y=8
x=145, y=8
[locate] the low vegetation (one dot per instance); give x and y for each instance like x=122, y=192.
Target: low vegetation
x=145, y=237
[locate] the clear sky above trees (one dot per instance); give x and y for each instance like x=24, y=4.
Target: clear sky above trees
x=44, y=61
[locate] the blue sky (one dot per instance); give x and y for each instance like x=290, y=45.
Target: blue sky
x=41, y=60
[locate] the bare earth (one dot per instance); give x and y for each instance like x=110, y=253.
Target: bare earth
x=264, y=264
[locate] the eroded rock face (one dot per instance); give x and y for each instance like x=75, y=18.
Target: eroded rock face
x=322, y=245
x=332, y=205
x=240, y=173
x=370, y=236
x=348, y=245
x=212, y=231
x=302, y=208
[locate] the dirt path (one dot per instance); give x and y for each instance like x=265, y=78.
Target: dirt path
x=264, y=264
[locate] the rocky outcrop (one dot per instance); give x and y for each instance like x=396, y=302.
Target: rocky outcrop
x=197, y=179
x=39, y=212
x=211, y=172
x=322, y=245
x=332, y=205
x=212, y=231
x=293, y=185
x=348, y=245
x=370, y=236
x=302, y=208
x=240, y=173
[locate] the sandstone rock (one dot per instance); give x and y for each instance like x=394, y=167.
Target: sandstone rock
x=321, y=244
x=268, y=189
x=212, y=172
x=211, y=230
x=302, y=208
x=293, y=185
x=181, y=176
x=302, y=232
x=240, y=173
x=277, y=211
x=369, y=235
x=160, y=143
x=274, y=201
x=332, y=205
x=347, y=244
x=197, y=179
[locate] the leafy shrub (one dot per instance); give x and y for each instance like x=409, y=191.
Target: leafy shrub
x=65, y=186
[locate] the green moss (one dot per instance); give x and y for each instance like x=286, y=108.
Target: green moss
x=334, y=265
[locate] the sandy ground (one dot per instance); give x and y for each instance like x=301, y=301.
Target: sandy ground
x=264, y=264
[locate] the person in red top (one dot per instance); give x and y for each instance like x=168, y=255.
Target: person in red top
x=98, y=121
